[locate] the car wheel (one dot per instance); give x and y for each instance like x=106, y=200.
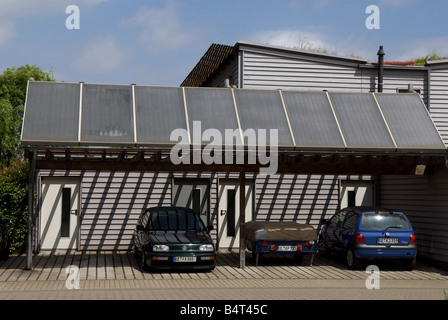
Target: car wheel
x=352, y=261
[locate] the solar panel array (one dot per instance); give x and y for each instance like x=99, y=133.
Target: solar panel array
x=131, y=115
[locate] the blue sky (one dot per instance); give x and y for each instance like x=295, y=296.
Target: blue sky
x=157, y=42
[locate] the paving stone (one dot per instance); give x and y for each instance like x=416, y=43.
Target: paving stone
x=117, y=275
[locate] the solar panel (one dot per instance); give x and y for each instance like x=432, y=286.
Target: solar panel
x=263, y=109
x=52, y=112
x=312, y=120
x=361, y=121
x=125, y=115
x=214, y=108
x=159, y=111
x=409, y=122
x=107, y=114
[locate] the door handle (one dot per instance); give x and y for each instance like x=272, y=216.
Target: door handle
x=223, y=212
x=74, y=212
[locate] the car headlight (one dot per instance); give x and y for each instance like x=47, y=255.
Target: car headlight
x=206, y=248
x=160, y=248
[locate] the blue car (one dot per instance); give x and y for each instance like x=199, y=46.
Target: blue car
x=364, y=233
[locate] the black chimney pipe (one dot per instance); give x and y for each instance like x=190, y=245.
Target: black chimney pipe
x=380, y=68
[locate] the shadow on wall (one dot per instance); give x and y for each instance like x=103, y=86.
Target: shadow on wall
x=302, y=198
x=112, y=203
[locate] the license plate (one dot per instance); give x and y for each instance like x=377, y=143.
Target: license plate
x=387, y=240
x=184, y=259
x=287, y=248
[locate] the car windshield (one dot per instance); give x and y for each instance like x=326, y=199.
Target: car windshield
x=384, y=220
x=175, y=220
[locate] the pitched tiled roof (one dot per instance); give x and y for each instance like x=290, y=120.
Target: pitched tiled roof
x=210, y=61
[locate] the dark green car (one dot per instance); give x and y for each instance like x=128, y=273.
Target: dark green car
x=173, y=238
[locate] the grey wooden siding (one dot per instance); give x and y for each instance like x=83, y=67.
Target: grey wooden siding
x=230, y=72
x=424, y=199
x=213, y=200
x=395, y=78
x=302, y=198
x=269, y=71
x=400, y=79
x=439, y=98
x=111, y=203
x=272, y=69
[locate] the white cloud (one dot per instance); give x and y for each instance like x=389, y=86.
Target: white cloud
x=293, y=39
x=161, y=28
x=418, y=47
x=318, y=41
x=99, y=56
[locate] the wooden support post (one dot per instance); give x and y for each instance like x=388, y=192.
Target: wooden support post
x=31, y=180
x=242, y=218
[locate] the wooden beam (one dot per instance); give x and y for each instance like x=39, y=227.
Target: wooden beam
x=242, y=218
x=29, y=253
x=289, y=162
x=309, y=165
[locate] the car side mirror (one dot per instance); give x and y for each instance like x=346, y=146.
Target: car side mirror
x=325, y=221
x=140, y=227
x=210, y=228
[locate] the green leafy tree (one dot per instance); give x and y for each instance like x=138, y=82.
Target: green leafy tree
x=13, y=83
x=13, y=170
x=14, y=203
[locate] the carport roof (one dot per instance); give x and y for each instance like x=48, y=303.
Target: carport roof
x=80, y=114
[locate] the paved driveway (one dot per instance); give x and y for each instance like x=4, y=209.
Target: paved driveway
x=116, y=275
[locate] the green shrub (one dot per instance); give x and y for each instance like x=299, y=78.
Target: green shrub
x=14, y=202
